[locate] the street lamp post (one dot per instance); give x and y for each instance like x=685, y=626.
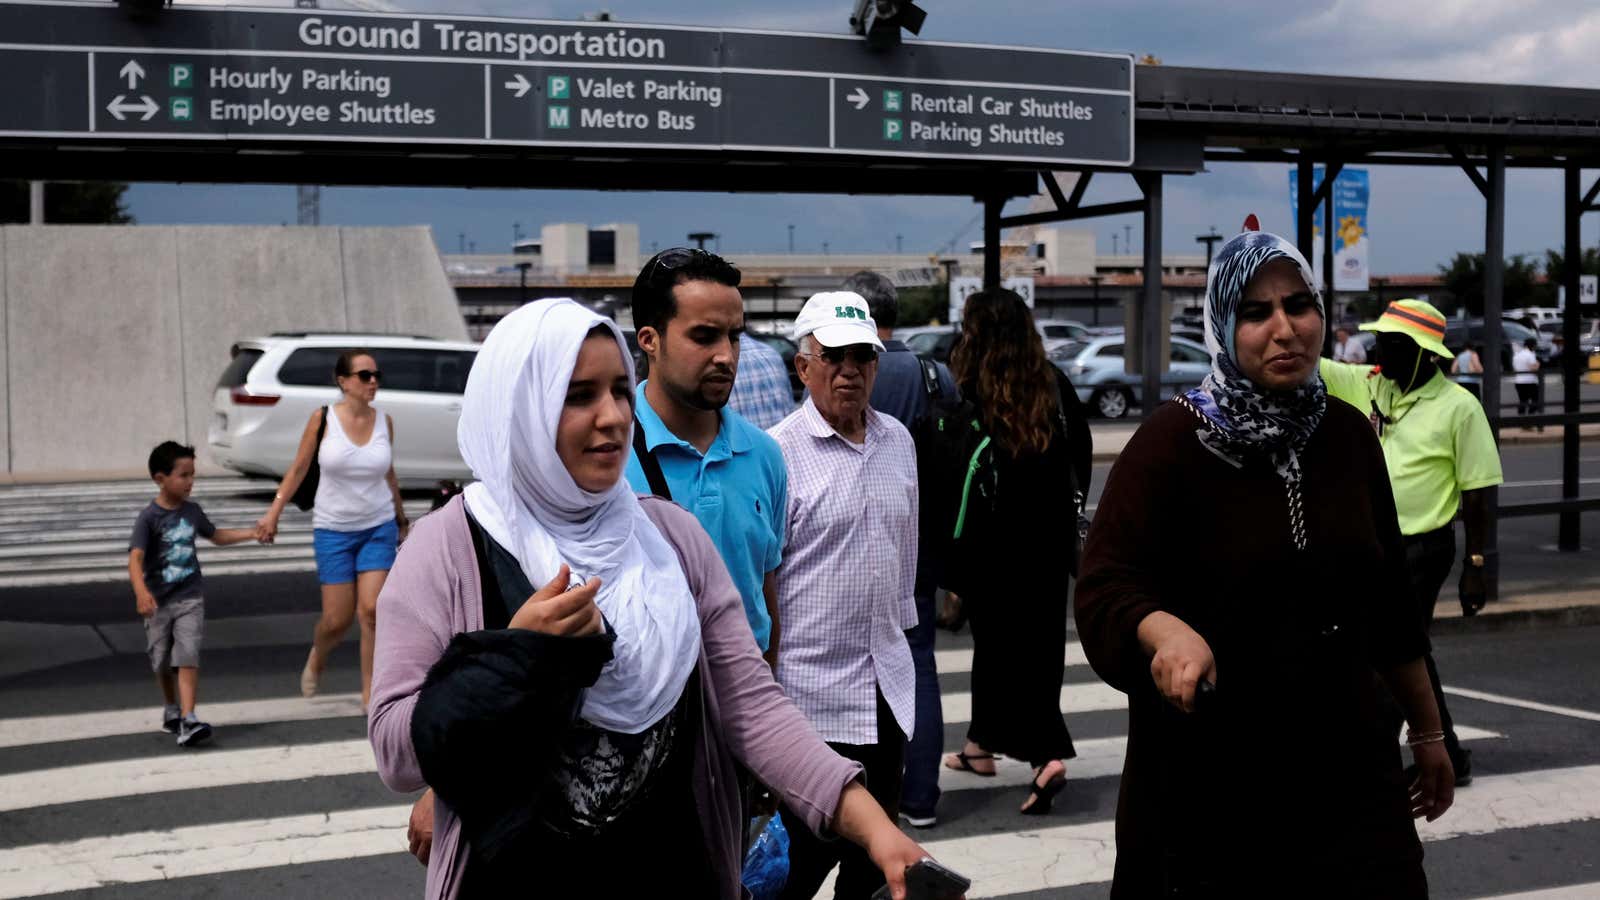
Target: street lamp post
x=1208, y=240
x=1094, y=282
x=522, y=274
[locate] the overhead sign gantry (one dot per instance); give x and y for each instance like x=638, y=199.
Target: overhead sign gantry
x=84, y=72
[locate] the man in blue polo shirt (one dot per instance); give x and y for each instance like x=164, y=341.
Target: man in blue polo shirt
x=688, y=444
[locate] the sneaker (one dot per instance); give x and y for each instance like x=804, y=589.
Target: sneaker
x=193, y=732
x=170, y=719
x=916, y=821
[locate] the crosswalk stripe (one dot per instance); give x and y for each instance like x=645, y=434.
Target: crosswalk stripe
x=1045, y=858
x=1523, y=704
x=22, y=732
x=1007, y=863
x=1097, y=758
x=1085, y=697
x=183, y=771
x=202, y=850
x=949, y=662
x=1571, y=892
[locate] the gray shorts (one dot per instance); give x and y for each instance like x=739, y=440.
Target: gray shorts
x=173, y=634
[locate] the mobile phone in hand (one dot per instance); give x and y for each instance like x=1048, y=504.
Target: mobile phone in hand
x=927, y=880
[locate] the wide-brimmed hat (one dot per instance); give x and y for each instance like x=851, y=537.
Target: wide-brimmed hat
x=1417, y=320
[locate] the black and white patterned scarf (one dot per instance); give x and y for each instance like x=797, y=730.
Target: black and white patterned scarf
x=1242, y=420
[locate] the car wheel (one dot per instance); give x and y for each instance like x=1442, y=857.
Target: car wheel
x=1112, y=403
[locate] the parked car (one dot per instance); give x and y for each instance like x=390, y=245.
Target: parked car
x=931, y=341
x=1588, y=333
x=1096, y=370
x=1459, y=333
x=273, y=384
x=786, y=349
x=1061, y=329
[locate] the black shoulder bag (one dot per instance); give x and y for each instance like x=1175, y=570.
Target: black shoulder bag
x=305, y=496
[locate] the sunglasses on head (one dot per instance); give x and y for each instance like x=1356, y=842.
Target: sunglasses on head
x=671, y=260
x=860, y=354
x=367, y=375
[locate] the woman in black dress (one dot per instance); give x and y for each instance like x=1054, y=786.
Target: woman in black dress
x=1041, y=450
x=1247, y=539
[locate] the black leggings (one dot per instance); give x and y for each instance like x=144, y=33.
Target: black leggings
x=1430, y=556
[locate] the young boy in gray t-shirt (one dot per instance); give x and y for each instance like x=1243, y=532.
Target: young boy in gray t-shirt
x=166, y=585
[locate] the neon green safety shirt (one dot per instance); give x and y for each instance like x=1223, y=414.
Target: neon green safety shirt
x=1436, y=441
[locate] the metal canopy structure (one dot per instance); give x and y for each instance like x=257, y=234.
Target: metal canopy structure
x=1304, y=120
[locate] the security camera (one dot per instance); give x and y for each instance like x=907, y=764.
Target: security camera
x=880, y=21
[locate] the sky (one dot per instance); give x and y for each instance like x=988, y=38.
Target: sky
x=1418, y=218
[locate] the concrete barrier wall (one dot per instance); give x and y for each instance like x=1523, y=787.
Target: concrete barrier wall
x=113, y=336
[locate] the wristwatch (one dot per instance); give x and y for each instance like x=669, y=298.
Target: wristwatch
x=1475, y=560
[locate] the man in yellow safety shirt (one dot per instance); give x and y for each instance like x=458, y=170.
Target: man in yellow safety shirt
x=1441, y=456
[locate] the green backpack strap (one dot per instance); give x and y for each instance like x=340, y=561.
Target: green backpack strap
x=966, y=487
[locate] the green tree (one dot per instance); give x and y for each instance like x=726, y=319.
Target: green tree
x=921, y=305
x=1463, y=278
x=68, y=203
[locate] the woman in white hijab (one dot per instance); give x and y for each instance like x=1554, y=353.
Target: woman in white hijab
x=582, y=737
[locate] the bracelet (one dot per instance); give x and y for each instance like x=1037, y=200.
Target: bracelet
x=1418, y=742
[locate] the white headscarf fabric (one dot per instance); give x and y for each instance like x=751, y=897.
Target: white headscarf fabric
x=527, y=501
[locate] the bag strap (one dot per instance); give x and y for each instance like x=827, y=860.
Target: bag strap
x=649, y=463
x=322, y=426
x=930, y=378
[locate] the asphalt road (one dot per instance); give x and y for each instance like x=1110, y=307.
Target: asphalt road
x=289, y=808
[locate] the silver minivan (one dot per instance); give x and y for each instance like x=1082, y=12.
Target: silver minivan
x=273, y=384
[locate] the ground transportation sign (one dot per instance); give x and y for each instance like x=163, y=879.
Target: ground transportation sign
x=85, y=72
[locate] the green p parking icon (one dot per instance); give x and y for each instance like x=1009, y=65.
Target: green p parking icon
x=181, y=75
x=893, y=130
x=559, y=87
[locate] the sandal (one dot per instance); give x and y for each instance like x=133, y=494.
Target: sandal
x=964, y=763
x=1043, y=797
x=309, y=677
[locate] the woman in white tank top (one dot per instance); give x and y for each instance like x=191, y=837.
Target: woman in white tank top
x=357, y=519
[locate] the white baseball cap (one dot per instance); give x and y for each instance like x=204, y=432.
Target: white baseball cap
x=837, y=319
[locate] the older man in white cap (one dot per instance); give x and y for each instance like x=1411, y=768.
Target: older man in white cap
x=845, y=588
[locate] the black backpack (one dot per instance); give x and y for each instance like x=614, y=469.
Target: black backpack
x=959, y=484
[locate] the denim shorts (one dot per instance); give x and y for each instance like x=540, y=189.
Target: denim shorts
x=342, y=554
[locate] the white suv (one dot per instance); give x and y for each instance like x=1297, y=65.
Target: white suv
x=269, y=390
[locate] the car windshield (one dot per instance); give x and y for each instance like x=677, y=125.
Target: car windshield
x=924, y=342
x=1068, y=350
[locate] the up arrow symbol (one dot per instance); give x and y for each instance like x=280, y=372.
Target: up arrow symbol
x=133, y=72
x=859, y=99
x=519, y=84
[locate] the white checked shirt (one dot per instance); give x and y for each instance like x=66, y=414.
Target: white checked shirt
x=849, y=565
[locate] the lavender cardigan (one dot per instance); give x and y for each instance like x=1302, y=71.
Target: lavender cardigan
x=433, y=593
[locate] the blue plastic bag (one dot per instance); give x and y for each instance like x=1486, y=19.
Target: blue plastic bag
x=766, y=865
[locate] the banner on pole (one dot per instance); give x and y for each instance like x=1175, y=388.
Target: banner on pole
x=1352, y=193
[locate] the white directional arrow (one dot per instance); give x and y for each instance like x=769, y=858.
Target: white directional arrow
x=133, y=72
x=519, y=84
x=118, y=108
x=859, y=98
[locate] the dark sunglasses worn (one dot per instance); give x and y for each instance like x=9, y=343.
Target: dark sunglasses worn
x=860, y=354
x=367, y=375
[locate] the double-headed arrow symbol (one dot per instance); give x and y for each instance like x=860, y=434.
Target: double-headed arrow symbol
x=519, y=85
x=859, y=98
x=133, y=72
x=118, y=108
